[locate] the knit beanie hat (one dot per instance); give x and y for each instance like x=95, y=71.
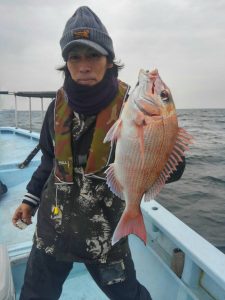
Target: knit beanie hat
x=85, y=28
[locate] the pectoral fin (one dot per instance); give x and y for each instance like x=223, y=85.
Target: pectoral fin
x=114, y=132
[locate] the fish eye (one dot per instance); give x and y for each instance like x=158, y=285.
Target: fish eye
x=164, y=96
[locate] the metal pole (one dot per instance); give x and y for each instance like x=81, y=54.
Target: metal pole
x=42, y=110
x=30, y=114
x=16, y=115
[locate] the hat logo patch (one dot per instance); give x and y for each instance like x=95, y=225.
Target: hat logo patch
x=82, y=34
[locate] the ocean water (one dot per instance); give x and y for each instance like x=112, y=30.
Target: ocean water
x=198, y=198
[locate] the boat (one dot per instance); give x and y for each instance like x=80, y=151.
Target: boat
x=176, y=264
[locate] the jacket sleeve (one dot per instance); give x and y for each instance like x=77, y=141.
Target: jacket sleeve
x=40, y=176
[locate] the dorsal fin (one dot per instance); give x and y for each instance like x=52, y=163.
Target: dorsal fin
x=181, y=145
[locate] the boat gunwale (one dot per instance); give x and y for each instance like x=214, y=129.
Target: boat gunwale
x=194, y=246
x=21, y=132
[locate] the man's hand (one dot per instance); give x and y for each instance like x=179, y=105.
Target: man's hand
x=24, y=213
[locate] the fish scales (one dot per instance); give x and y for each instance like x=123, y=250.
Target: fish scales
x=132, y=163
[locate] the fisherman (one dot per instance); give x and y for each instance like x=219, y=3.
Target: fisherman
x=77, y=212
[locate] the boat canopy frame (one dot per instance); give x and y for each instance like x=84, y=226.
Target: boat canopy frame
x=30, y=94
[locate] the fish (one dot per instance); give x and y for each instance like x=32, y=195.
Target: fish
x=149, y=147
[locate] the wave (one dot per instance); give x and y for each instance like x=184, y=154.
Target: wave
x=197, y=159
x=214, y=180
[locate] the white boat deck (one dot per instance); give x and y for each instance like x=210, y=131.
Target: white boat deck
x=16, y=144
x=151, y=271
x=14, y=149
x=203, y=275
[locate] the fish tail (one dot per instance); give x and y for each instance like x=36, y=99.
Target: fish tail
x=128, y=225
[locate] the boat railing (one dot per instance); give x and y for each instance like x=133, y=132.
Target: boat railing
x=29, y=96
x=203, y=266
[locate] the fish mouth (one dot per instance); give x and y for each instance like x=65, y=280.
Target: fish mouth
x=147, y=107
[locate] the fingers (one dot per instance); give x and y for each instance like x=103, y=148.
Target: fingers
x=24, y=213
x=17, y=216
x=26, y=217
x=21, y=225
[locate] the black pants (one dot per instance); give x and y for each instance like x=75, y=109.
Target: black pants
x=45, y=276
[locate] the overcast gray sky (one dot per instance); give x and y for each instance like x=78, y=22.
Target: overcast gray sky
x=184, y=39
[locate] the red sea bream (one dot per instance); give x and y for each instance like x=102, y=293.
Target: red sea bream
x=149, y=146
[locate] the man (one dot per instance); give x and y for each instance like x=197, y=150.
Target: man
x=77, y=212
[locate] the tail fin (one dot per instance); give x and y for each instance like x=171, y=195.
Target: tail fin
x=128, y=225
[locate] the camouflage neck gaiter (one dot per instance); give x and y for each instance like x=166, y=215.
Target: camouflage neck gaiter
x=90, y=100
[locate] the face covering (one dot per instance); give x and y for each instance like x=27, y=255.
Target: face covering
x=90, y=100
